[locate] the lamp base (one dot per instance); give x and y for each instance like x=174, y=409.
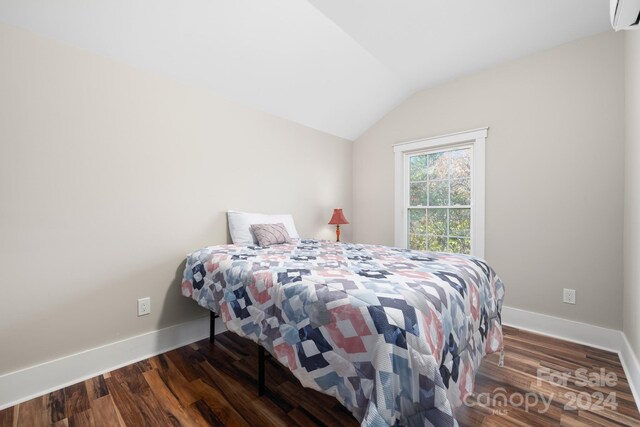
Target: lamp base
x=337, y=233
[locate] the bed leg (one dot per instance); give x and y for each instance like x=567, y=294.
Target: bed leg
x=260, y=370
x=212, y=327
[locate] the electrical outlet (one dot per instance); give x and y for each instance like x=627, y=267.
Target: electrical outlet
x=144, y=306
x=569, y=296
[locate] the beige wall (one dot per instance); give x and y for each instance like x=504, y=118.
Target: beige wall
x=554, y=180
x=632, y=193
x=110, y=175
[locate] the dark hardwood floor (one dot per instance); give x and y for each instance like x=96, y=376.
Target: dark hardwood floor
x=197, y=385
x=574, y=397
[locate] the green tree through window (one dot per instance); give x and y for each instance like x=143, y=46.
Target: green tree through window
x=439, y=213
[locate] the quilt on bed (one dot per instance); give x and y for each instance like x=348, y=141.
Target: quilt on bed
x=395, y=335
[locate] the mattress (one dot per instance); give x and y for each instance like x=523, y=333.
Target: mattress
x=395, y=335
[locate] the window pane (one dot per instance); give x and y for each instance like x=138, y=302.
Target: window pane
x=459, y=246
x=437, y=165
x=418, y=221
x=418, y=194
x=418, y=242
x=418, y=168
x=439, y=213
x=461, y=192
x=460, y=163
x=460, y=222
x=439, y=193
x=437, y=244
x=437, y=222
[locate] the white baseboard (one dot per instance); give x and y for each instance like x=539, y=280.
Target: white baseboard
x=34, y=381
x=25, y=384
x=631, y=368
x=570, y=330
x=581, y=333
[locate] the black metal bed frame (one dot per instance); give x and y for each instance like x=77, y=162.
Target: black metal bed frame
x=261, y=353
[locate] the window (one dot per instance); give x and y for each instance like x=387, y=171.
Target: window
x=440, y=193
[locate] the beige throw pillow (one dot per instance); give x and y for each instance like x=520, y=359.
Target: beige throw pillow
x=270, y=234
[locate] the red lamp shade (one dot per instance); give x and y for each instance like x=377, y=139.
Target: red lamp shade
x=337, y=219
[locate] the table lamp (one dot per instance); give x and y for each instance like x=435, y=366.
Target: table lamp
x=338, y=219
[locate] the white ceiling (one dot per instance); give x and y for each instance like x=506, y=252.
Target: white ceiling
x=333, y=65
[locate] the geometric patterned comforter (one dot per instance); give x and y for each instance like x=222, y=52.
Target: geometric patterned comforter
x=395, y=335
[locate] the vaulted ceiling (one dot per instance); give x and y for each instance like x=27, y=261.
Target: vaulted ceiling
x=333, y=65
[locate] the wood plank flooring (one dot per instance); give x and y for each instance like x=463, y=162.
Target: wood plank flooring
x=574, y=400
x=199, y=385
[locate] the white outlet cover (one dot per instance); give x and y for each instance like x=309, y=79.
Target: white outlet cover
x=144, y=306
x=569, y=296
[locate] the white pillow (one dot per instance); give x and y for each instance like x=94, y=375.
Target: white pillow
x=240, y=225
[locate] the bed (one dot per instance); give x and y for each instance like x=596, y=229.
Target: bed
x=395, y=335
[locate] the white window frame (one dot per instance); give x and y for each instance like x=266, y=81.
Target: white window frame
x=475, y=138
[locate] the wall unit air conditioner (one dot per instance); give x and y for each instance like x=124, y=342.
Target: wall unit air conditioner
x=625, y=14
